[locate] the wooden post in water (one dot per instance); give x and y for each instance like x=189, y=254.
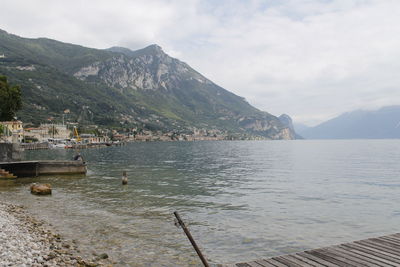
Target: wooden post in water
x=182, y=224
x=124, y=178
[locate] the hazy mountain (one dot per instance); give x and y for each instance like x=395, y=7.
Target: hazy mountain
x=299, y=127
x=382, y=123
x=120, y=87
x=288, y=122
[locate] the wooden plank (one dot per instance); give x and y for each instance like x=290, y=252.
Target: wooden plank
x=327, y=258
x=316, y=259
x=378, y=246
x=367, y=255
x=298, y=262
x=287, y=262
x=387, y=243
x=244, y=264
x=394, y=239
x=249, y=264
x=308, y=261
x=391, y=240
x=273, y=262
x=362, y=258
x=397, y=234
x=384, y=246
x=260, y=262
x=375, y=252
x=256, y=264
x=351, y=256
x=336, y=259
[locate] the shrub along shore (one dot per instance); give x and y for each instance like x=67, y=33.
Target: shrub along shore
x=25, y=241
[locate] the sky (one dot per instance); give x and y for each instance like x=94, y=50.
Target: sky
x=310, y=59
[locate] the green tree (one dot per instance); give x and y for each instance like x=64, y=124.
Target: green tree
x=10, y=99
x=2, y=130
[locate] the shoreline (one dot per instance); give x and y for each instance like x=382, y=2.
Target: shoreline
x=26, y=241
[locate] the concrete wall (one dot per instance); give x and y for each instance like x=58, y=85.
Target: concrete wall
x=51, y=167
x=9, y=152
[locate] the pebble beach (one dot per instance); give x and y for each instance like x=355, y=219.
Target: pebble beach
x=25, y=241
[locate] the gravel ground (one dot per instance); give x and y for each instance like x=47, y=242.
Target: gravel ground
x=24, y=241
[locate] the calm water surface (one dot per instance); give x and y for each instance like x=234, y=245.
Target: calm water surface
x=242, y=200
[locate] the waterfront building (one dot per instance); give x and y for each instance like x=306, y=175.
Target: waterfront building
x=48, y=131
x=12, y=128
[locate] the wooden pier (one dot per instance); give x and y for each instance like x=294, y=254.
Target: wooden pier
x=381, y=251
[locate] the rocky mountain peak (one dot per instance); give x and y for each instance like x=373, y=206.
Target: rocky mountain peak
x=153, y=49
x=287, y=121
x=149, y=68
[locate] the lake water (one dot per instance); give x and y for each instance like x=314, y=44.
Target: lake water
x=242, y=200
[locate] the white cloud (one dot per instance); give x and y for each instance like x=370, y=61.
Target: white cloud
x=310, y=59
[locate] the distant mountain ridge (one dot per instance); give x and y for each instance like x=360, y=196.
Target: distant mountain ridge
x=119, y=87
x=383, y=123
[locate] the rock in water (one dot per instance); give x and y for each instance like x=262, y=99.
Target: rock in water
x=41, y=189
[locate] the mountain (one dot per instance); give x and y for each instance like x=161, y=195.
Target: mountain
x=360, y=124
x=299, y=127
x=288, y=122
x=118, y=87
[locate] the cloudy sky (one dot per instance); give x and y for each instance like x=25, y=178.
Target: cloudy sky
x=311, y=59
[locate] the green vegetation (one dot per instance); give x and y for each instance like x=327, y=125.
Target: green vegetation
x=10, y=100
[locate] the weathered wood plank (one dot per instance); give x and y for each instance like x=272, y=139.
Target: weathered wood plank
x=391, y=238
x=287, y=262
x=368, y=255
x=261, y=262
x=397, y=234
x=297, y=261
x=273, y=262
x=387, y=243
x=339, y=261
x=257, y=264
x=362, y=258
x=375, y=252
x=308, y=261
x=316, y=259
x=351, y=257
x=377, y=246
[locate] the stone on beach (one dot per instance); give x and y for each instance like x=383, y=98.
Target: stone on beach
x=41, y=189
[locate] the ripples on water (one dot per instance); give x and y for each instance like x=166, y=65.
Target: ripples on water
x=242, y=200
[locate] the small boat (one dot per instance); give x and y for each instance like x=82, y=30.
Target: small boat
x=57, y=146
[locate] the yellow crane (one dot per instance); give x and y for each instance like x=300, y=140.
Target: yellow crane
x=76, y=134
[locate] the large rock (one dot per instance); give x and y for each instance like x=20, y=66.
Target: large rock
x=41, y=189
